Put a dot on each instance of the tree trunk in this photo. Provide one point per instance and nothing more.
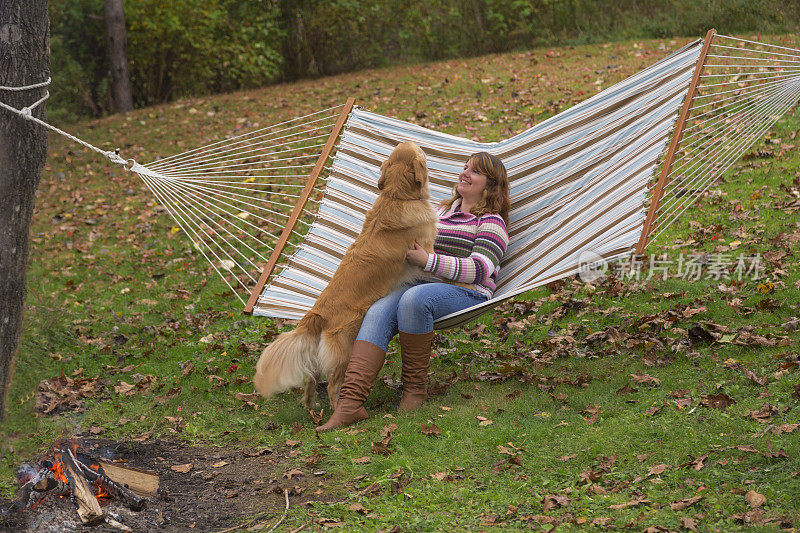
(24, 60)
(118, 57)
(298, 57)
(478, 8)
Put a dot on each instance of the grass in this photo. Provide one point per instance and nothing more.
(539, 429)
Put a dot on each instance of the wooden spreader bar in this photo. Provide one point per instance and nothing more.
(658, 192)
(298, 208)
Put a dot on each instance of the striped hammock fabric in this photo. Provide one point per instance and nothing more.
(579, 182)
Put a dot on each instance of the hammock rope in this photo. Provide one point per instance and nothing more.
(581, 180)
(741, 95)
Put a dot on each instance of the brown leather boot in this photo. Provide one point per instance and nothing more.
(365, 363)
(416, 352)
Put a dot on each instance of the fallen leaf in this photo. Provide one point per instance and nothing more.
(785, 428)
(124, 388)
(655, 409)
(590, 475)
(552, 501)
(752, 376)
(357, 507)
(646, 379)
(719, 401)
(388, 429)
(683, 504)
(627, 389)
(183, 469)
(770, 454)
(632, 503)
(754, 499)
(439, 476)
(592, 412)
(431, 431)
(697, 464)
(688, 523)
(657, 469)
(362, 460)
(294, 472)
(381, 447)
(219, 464)
(483, 421)
(246, 397)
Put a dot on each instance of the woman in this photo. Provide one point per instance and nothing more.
(471, 240)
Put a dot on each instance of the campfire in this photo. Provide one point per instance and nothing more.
(86, 481)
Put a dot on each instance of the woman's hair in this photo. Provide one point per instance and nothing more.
(495, 197)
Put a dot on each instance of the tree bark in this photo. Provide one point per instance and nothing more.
(117, 40)
(24, 60)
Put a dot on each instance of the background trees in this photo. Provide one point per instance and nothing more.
(190, 47)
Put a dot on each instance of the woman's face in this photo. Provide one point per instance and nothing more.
(471, 183)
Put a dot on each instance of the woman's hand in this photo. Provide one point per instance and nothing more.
(417, 256)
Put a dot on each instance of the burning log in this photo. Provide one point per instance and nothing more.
(126, 496)
(48, 482)
(88, 507)
(138, 481)
(141, 482)
(24, 495)
(78, 474)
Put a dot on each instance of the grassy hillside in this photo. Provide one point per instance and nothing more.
(632, 404)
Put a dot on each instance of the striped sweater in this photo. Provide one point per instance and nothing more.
(468, 249)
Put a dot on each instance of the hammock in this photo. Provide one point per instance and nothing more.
(607, 176)
(581, 180)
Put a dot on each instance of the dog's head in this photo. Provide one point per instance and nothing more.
(404, 175)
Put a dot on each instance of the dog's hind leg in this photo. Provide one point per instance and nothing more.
(310, 392)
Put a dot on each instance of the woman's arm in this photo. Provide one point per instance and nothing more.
(491, 241)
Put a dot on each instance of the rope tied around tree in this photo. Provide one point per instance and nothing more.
(27, 113)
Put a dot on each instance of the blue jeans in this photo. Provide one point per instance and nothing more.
(413, 309)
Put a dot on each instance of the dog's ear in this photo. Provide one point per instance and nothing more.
(382, 179)
(417, 173)
(420, 172)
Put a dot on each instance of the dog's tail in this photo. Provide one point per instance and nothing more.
(290, 358)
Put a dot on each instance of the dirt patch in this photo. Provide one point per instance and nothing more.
(202, 488)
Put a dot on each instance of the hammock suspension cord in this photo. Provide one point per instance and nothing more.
(740, 96)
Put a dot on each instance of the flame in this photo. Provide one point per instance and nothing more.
(101, 491)
(58, 469)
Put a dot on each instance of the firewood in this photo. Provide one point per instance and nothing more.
(141, 482)
(88, 507)
(49, 483)
(28, 493)
(23, 496)
(126, 496)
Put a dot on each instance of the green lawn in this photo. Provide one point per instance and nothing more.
(577, 406)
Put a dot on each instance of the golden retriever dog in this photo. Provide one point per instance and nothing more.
(371, 268)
